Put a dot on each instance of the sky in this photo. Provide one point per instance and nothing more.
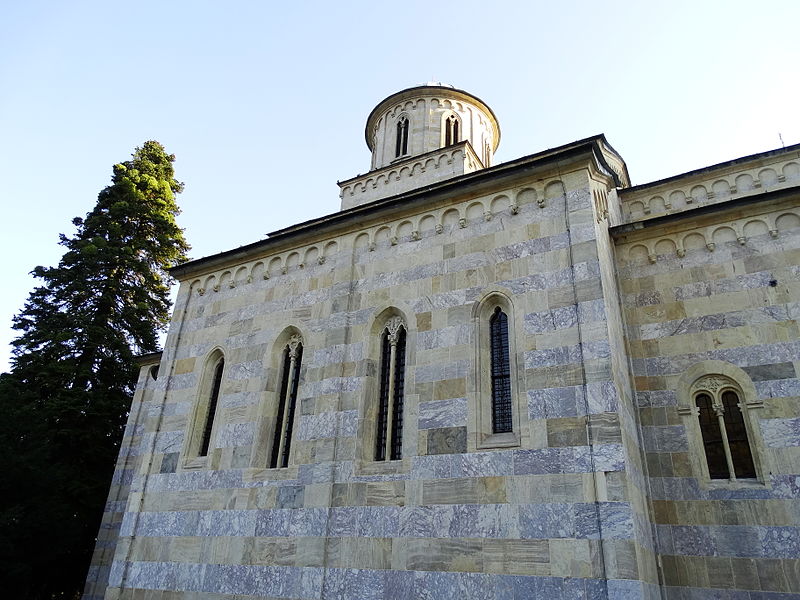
(264, 103)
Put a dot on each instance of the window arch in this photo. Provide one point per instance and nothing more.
(389, 435)
(721, 419)
(291, 361)
(451, 126)
(216, 382)
(718, 403)
(198, 441)
(495, 403)
(401, 142)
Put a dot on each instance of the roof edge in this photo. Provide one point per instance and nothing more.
(539, 159)
(727, 163)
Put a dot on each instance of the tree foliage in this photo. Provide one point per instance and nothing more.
(65, 401)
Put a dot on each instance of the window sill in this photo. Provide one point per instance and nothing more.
(195, 463)
(499, 440)
(734, 484)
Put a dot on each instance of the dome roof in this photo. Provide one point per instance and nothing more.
(426, 89)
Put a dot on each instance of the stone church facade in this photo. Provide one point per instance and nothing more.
(477, 381)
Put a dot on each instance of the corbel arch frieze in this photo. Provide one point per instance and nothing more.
(710, 238)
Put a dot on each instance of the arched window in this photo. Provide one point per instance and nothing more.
(216, 383)
(389, 444)
(401, 145)
(719, 406)
(451, 134)
(502, 421)
(495, 402)
(198, 440)
(721, 418)
(287, 399)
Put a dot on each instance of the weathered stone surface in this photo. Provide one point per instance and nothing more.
(619, 300)
(447, 440)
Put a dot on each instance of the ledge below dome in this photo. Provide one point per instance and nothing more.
(405, 175)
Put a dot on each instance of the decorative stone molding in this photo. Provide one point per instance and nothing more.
(406, 229)
(768, 226)
(410, 173)
(393, 326)
(714, 377)
(294, 345)
(717, 186)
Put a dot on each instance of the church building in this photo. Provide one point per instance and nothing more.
(478, 381)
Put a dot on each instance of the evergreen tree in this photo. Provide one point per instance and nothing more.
(73, 372)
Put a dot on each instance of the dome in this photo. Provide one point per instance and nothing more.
(426, 118)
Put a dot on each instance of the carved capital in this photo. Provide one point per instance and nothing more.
(320, 260)
(487, 216)
(711, 246)
(462, 223)
(514, 209)
(773, 233)
(393, 326)
(541, 202)
(415, 235)
(393, 240)
(284, 269)
(439, 228)
(201, 291)
(294, 345)
(681, 252)
(652, 258)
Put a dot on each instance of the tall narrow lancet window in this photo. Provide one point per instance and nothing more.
(451, 135)
(208, 426)
(401, 146)
(502, 420)
(389, 444)
(290, 380)
(722, 425)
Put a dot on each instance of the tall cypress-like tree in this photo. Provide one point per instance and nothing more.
(73, 372)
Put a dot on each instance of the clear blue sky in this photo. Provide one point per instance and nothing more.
(264, 103)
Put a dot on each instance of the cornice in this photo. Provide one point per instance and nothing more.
(473, 182)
